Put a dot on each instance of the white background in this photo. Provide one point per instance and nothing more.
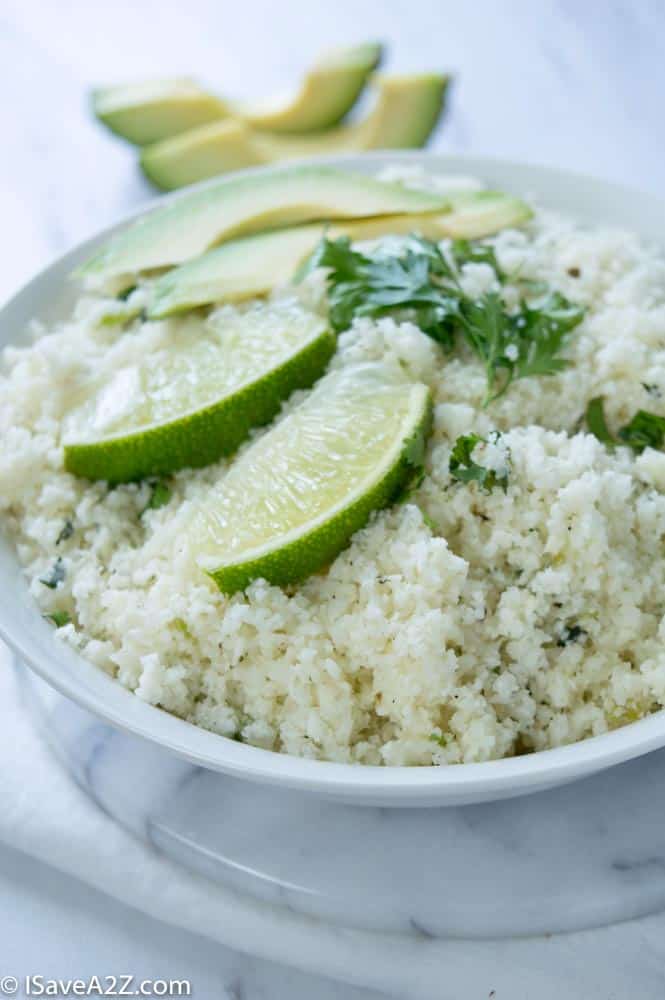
(576, 83)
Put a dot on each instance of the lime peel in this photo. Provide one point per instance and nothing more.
(274, 474)
(195, 437)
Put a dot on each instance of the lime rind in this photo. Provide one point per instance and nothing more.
(297, 552)
(204, 435)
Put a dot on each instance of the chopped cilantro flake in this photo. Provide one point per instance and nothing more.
(59, 618)
(463, 468)
(160, 494)
(645, 430)
(55, 576)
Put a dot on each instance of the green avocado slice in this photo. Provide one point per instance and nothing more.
(405, 112)
(148, 112)
(327, 93)
(198, 220)
(254, 265)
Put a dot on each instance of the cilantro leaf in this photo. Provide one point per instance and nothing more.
(645, 430)
(488, 331)
(595, 421)
(55, 576)
(360, 285)
(467, 252)
(420, 283)
(542, 331)
(521, 344)
(463, 468)
(415, 457)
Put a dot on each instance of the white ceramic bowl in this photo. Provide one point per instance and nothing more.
(50, 295)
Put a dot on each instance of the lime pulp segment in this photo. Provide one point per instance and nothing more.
(195, 394)
(290, 503)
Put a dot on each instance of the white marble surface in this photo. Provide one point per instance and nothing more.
(55, 926)
(54, 821)
(567, 83)
(557, 861)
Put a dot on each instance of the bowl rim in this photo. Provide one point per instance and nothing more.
(86, 684)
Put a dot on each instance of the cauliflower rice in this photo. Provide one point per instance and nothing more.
(458, 626)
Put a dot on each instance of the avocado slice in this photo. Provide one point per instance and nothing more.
(198, 220)
(404, 114)
(254, 265)
(156, 109)
(327, 93)
(482, 213)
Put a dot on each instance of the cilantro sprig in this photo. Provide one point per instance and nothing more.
(644, 430)
(361, 285)
(463, 468)
(423, 284)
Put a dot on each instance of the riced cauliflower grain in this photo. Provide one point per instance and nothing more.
(459, 625)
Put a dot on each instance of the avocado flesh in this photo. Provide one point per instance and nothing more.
(198, 220)
(149, 112)
(405, 112)
(327, 93)
(483, 213)
(254, 265)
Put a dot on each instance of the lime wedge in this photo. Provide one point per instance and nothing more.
(291, 502)
(196, 391)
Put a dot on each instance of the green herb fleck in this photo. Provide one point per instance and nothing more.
(463, 468)
(595, 421)
(469, 252)
(160, 494)
(571, 633)
(412, 484)
(438, 738)
(56, 575)
(126, 292)
(181, 625)
(645, 430)
(59, 618)
(66, 532)
(430, 523)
